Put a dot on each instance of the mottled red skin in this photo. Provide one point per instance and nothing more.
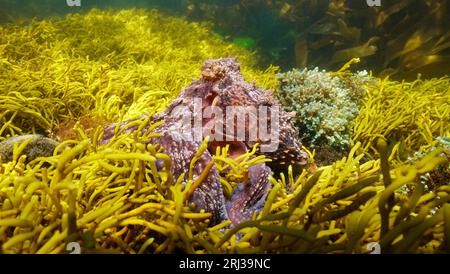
(222, 84)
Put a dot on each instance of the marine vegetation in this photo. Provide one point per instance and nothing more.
(102, 65)
(111, 199)
(325, 104)
(113, 191)
(400, 38)
(414, 113)
(336, 109)
(438, 177)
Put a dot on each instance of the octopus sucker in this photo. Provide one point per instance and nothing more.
(220, 88)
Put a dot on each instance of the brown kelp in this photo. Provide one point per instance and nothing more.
(399, 38)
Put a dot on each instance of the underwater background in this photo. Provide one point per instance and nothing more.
(369, 87)
(400, 38)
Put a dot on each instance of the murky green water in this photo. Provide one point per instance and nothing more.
(398, 38)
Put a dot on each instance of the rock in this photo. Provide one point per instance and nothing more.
(39, 146)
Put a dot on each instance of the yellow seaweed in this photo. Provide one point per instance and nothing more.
(113, 198)
(414, 113)
(55, 71)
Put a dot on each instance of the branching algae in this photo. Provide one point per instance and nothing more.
(115, 197)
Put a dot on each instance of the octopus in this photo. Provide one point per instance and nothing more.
(202, 109)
